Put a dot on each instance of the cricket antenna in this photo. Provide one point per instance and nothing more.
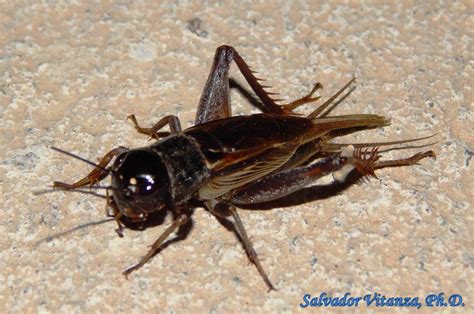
(81, 159)
(89, 192)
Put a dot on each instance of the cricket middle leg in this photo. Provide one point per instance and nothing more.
(224, 210)
(172, 121)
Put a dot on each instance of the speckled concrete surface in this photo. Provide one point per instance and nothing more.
(71, 73)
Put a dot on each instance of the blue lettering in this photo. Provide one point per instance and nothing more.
(319, 301)
(357, 300)
(343, 300)
(455, 300)
(378, 300)
(306, 297)
(369, 300)
(315, 302)
(440, 301)
(326, 300)
(416, 302)
(430, 299)
(435, 300)
(390, 302)
(407, 301)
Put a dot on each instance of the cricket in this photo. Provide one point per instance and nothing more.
(228, 163)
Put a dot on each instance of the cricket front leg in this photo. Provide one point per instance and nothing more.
(116, 213)
(158, 245)
(99, 173)
(224, 210)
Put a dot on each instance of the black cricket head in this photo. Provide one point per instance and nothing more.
(140, 183)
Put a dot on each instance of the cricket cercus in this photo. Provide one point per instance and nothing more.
(226, 162)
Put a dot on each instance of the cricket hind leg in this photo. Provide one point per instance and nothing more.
(215, 99)
(247, 94)
(291, 183)
(286, 182)
(287, 108)
(269, 104)
(224, 210)
(308, 194)
(369, 161)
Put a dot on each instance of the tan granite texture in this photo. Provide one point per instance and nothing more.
(71, 72)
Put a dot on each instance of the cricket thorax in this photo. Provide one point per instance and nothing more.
(185, 164)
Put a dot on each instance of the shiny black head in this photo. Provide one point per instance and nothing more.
(140, 183)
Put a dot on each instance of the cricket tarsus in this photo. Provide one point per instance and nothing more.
(413, 160)
(224, 162)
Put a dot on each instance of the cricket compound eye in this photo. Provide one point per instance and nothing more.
(141, 185)
(140, 182)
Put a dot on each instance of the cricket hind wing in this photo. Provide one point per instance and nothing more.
(326, 128)
(331, 147)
